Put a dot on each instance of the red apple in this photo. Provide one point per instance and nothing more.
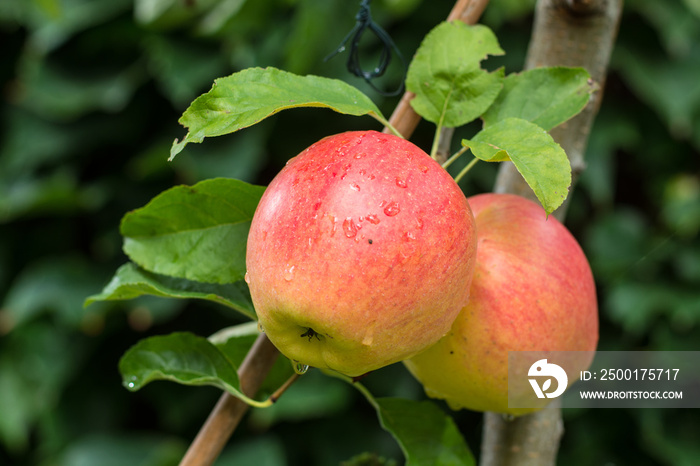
(360, 253)
(532, 291)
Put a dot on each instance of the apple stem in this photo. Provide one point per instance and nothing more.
(465, 170)
(361, 388)
(229, 410)
(455, 156)
(280, 391)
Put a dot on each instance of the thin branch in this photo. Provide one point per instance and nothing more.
(404, 118)
(229, 410)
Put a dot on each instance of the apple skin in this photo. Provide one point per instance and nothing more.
(368, 242)
(532, 290)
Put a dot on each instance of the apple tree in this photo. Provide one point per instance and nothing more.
(192, 242)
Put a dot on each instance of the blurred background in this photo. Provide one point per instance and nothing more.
(91, 91)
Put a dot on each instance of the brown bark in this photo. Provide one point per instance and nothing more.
(569, 33)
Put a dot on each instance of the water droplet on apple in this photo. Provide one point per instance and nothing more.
(359, 155)
(247, 278)
(354, 186)
(392, 209)
(300, 368)
(350, 228)
(373, 219)
(289, 273)
(401, 183)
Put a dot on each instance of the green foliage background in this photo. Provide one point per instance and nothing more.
(91, 92)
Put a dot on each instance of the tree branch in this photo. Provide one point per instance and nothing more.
(569, 33)
(229, 410)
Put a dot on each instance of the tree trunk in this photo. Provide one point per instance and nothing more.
(567, 33)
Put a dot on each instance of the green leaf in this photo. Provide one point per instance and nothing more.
(540, 160)
(544, 96)
(131, 282)
(249, 96)
(183, 358)
(446, 76)
(425, 433)
(198, 233)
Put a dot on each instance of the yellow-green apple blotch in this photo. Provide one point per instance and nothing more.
(360, 253)
(532, 291)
